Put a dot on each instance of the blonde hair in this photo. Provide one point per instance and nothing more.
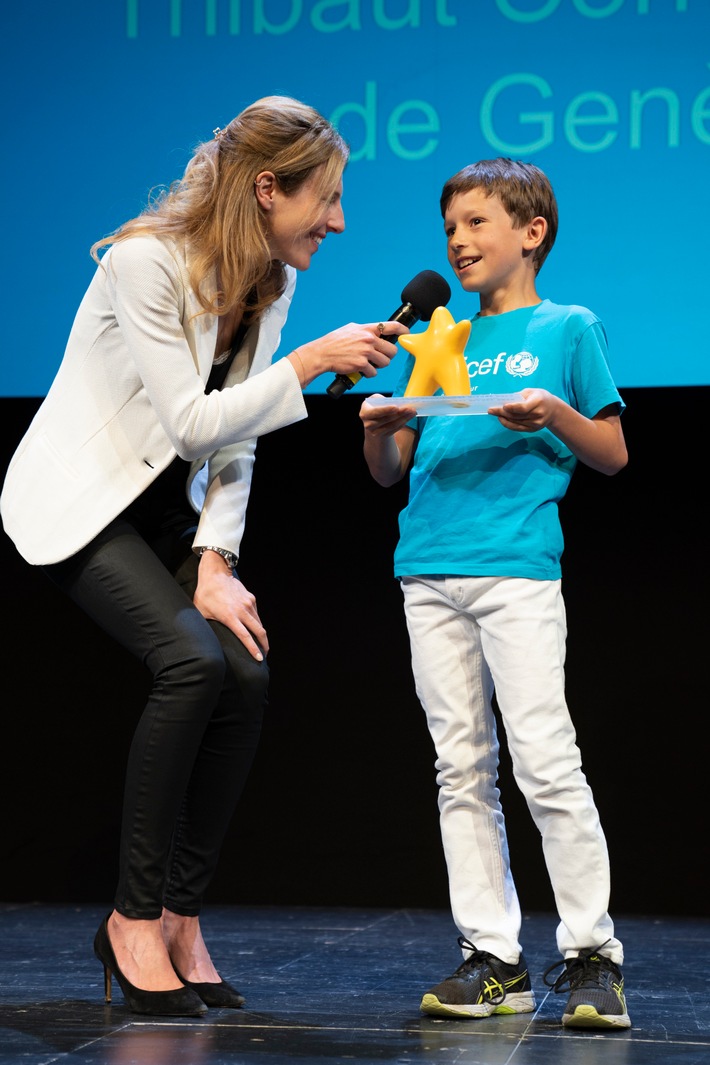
(214, 209)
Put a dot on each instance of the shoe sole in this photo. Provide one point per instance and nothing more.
(587, 1017)
(523, 1002)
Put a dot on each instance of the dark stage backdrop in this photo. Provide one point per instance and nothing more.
(341, 805)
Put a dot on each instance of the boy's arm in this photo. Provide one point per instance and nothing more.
(597, 442)
(389, 441)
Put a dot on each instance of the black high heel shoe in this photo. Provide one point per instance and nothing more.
(219, 996)
(182, 1002)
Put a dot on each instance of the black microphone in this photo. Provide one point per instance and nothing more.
(420, 298)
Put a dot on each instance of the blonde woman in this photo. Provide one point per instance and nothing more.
(130, 488)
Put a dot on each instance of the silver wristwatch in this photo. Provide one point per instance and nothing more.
(229, 557)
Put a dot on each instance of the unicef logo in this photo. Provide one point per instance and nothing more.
(522, 364)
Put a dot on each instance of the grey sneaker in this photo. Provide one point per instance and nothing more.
(596, 988)
(482, 985)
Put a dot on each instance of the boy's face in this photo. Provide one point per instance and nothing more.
(486, 253)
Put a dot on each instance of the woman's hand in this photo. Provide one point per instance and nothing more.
(219, 596)
(351, 349)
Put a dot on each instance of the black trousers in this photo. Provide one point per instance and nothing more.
(196, 738)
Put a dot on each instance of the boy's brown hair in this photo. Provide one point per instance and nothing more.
(523, 189)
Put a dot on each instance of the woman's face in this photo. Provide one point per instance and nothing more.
(297, 224)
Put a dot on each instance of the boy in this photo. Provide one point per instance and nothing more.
(479, 564)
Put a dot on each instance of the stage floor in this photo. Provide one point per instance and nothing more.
(339, 986)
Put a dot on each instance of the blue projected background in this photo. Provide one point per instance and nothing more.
(611, 98)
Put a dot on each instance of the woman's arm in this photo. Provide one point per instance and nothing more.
(149, 297)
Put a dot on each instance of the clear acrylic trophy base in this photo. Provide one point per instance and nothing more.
(427, 406)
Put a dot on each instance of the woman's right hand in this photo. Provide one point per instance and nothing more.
(351, 349)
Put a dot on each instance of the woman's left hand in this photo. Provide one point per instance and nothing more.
(222, 597)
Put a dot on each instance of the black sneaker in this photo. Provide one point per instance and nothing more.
(482, 985)
(596, 989)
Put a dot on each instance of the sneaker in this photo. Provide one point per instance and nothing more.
(596, 989)
(482, 985)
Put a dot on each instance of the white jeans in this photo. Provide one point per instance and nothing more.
(468, 636)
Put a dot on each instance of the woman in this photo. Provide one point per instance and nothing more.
(130, 488)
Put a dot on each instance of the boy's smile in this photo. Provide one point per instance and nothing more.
(489, 255)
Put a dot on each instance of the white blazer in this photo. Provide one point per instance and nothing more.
(129, 396)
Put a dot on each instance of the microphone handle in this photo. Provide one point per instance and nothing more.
(407, 315)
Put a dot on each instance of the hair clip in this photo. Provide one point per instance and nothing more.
(218, 133)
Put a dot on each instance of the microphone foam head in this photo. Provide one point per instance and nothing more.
(427, 291)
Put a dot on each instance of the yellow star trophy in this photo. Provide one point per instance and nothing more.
(438, 357)
(440, 367)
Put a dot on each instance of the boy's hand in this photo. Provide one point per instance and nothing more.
(535, 412)
(598, 442)
(389, 442)
(385, 421)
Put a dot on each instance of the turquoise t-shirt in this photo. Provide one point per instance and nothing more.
(482, 498)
